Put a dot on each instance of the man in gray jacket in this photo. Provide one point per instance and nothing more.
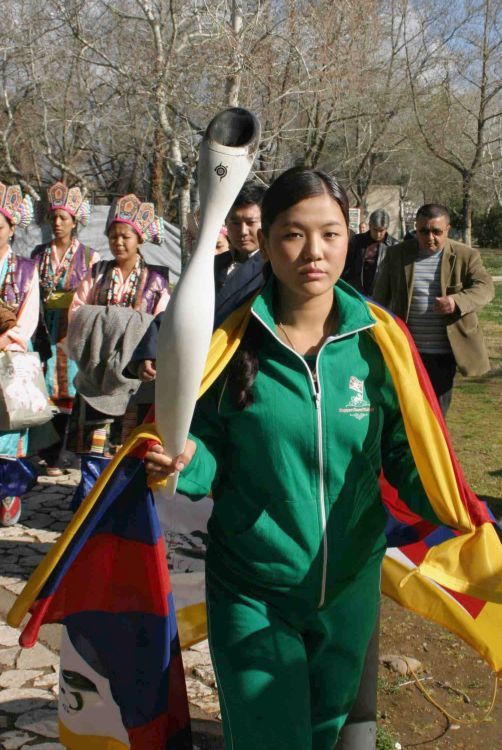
(367, 251)
(437, 286)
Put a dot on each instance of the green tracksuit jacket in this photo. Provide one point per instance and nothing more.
(296, 536)
(295, 476)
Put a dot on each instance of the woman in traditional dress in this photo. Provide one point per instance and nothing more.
(126, 281)
(19, 311)
(62, 264)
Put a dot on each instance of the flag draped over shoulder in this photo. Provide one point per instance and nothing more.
(451, 574)
(470, 560)
(460, 564)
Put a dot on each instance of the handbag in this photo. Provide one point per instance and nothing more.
(41, 339)
(24, 401)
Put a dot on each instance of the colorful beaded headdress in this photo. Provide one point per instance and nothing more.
(15, 208)
(140, 216)
(69, 200)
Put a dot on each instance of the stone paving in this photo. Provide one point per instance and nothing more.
(29, 677)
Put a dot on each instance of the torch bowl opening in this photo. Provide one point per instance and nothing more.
(235, 127)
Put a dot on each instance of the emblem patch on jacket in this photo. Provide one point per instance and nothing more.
(357, 406)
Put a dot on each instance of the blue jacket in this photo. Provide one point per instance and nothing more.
(231, 291)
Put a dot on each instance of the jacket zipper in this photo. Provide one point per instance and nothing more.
(317, 400)
(320, 462)
(316, 391)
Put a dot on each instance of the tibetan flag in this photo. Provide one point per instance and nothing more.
(476, 621)
(448, 560)
(106, 581)
(469, 561)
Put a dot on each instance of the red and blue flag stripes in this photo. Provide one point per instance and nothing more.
(111, 590)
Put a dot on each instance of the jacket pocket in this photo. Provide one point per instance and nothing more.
(280, 546)
(454, 289)
(468, 324)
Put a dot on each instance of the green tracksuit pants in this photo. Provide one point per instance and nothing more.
(287, 675)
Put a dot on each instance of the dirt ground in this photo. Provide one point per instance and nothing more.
(458, 679)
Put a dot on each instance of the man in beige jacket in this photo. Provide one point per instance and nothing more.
(436, 286)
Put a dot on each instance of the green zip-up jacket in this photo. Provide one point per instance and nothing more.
(294, 476)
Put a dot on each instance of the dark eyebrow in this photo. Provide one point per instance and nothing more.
(334, 222)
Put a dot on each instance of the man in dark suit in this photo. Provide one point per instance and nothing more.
(237, 274)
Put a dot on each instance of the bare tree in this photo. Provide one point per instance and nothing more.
(114, 96)
(456, 87)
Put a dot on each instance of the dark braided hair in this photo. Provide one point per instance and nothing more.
(291, 187)
(243, 366)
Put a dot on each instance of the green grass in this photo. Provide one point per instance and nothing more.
(492, 260)
(474, 684)
(492, 313)
(473, 420)
(389, 687)
(476, 431)
(384, 739)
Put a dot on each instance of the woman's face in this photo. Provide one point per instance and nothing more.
(62, 224)
(6, 233)
(307, 246)
(124, 242)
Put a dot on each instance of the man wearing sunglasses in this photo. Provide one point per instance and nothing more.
(437, 285)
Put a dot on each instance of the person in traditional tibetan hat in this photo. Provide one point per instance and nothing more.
(62, 264)
(129, 282)
(140, 216)
(19, 311)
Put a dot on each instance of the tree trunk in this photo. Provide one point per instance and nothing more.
(158, 171)
(184, 210)
(233, 83)
(467, 208)
(402, 220)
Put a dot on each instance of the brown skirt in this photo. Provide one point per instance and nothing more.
(92, 431)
